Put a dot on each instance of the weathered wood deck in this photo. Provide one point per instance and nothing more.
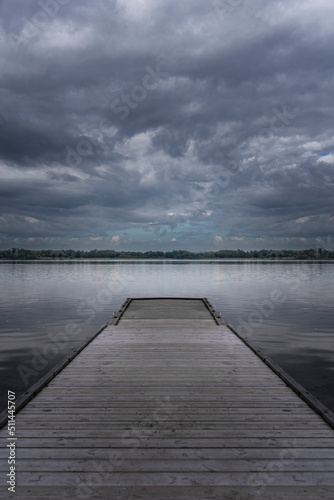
(166, 403)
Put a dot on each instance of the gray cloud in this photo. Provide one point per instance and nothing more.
(166, 124)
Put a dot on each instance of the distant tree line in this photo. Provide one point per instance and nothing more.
(23, 254)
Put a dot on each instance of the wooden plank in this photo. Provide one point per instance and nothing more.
(200, 410)
(175, 465)
(183, 409)
(282, 442)
(189, 432)
(166, 312)
(301, 479)
(173, 453)
(220, 415)
(242, 492)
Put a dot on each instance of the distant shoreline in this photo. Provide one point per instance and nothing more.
(21, 254)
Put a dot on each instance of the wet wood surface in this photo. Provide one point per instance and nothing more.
(168, 404)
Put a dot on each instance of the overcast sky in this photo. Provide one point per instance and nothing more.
(167, 124)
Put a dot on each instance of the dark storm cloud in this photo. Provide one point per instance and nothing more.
(166, 124)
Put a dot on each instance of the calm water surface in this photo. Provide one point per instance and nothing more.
(285, 308)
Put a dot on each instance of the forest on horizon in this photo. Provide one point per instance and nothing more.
(24, 254)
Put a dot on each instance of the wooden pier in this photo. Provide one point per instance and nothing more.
(168, 402)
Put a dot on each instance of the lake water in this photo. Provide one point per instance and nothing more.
(285, 308)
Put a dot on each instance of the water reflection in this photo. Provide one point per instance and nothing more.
(286, 308)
